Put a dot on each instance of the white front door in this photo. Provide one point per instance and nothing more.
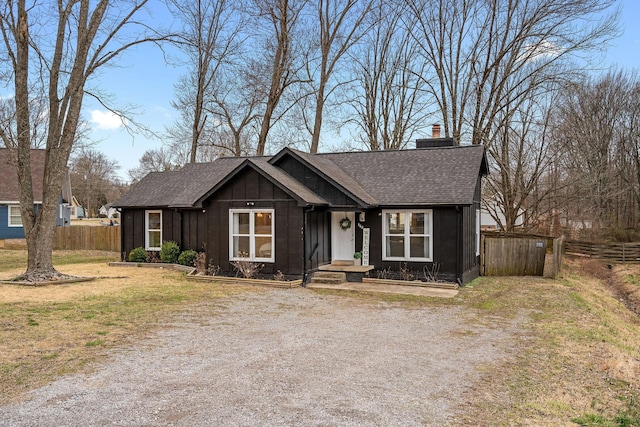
(343, 242)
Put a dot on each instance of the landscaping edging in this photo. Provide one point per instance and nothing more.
(47, 283)
(191, 275)
(186, 269)
(243, 281)
(439, 285)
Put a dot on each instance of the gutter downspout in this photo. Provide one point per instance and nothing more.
(304, 248)
(458, 247)
(123, 256)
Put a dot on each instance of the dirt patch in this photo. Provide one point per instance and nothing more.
(628, 292)
(614, 277)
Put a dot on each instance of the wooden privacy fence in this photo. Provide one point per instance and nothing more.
(104, 238)
(508, 255)
(615, 252)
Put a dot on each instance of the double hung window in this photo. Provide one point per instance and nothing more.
(407, 235)
(252, 234)
(153, 230)
(15, 220)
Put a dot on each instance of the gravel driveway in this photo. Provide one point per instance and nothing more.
(283, 357)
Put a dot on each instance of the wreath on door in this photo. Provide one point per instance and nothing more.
(345, 223)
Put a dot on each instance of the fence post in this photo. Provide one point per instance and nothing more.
(558, 244)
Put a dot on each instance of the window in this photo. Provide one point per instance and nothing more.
(407, 235)
(251, 236)
(153, 233)
(15, 220)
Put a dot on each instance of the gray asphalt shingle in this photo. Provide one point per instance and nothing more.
(429, 176)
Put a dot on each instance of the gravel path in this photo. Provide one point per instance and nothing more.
(282, 357)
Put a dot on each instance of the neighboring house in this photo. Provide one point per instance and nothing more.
(489, 223)
(76, 210)
(108, 211)
(10, 219)
(296, 212)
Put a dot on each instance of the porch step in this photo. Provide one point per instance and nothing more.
(329, 277)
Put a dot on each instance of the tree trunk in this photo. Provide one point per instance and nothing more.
(317, 124)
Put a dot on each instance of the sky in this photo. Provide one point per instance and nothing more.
(144, 80)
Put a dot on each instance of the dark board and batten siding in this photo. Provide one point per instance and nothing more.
(133, 222)
(253, 188)
(318, 239)
(315, 182)
(445, 235)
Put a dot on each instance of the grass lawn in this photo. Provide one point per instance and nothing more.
(49, 331)
(578, 356)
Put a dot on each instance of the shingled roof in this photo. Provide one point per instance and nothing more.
(189, 186)
(181, 188)
(428, 176)
(9, 187)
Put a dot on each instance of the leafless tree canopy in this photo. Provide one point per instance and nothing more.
(597, 129)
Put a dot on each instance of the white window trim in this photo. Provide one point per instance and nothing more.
(9, 207)
(252, 235)
(146, 230)
(407, 234)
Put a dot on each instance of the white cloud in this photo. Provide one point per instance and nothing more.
(542, 49)
(106, 119)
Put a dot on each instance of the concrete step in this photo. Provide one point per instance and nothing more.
(326, 281)
(329, 277)
(331, 274)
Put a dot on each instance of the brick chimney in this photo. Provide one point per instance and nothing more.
(435, 131)
(436, 140)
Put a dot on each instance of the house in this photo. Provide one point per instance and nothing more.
(76, 209)
(10, 219)
(297, 212)
(108, 211)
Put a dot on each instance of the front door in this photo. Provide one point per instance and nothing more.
(343, 240)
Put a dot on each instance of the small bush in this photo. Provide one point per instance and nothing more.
(169, 252)
(138, 255)
(188, 258)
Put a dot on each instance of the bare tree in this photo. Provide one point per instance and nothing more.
(67, 41)
(92, 177)
(153, 161)
(282, 18)
(487, 55)
(340, 26)
(523, 156)
(235, 103)
(209, 37)
(597, 127)
(389, 99)
(492, 61)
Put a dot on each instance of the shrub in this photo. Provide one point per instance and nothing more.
(188, 257)
(169, 252)
(138, 255)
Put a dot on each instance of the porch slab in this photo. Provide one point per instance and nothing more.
(393, 289)
(346, 268)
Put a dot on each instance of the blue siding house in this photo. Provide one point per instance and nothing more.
(10, 219)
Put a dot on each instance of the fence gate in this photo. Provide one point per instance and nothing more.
(513, 256)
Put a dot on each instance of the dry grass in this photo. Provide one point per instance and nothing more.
(581, 361)
(54, 330)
